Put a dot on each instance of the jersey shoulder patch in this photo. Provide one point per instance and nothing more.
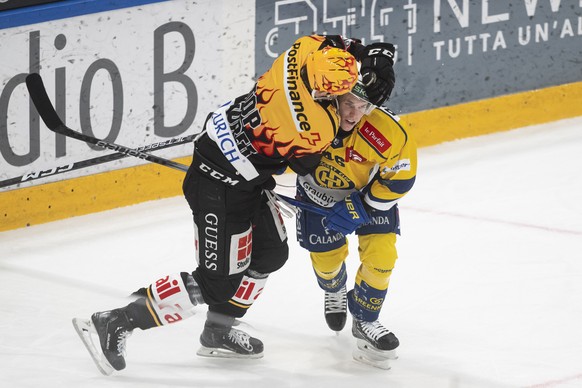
(375, 137)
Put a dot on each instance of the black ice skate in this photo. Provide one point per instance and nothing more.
(336, 309)
(220, 339)
(104, 337)
(375, 344)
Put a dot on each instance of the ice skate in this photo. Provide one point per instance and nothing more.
(220, 339)
(336, 309)
(376, 345)
(104, 336)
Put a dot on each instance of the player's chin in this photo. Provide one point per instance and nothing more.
(347, 125)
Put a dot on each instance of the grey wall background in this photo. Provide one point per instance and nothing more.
(449, 51)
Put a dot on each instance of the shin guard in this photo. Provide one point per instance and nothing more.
(365, 302)
(172, 298)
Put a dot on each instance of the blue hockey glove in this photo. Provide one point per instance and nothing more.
(347, 215)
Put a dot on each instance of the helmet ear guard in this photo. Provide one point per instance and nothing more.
(332, 70)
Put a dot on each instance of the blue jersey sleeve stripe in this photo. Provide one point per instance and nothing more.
(398, 186)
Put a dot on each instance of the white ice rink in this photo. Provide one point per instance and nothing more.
(487, 291)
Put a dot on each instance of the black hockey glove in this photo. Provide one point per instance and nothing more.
(377, 72)
(356, 48)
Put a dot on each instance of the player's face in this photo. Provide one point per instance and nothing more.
(351, 110)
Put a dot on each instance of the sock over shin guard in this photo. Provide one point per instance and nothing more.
(365, 302)
(168, 300)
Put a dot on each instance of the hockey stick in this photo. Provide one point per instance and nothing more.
(305, 205)
(53, 122)
(92, 162)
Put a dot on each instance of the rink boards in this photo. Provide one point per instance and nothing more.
(142, 74)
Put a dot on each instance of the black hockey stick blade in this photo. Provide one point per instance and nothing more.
(42, 102)
(47, 111)
(50, 117)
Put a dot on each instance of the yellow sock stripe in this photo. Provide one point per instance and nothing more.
(242, 306)
(151, 308)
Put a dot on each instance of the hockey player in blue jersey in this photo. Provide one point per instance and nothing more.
(370, 165)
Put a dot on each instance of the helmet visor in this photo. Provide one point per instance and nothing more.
(360, 92)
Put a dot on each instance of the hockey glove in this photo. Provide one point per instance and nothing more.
(377, 72)
(345, 216)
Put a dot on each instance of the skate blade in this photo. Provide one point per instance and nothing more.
(87, 333)
(366, 358)
(376, 353)
(367, 354)
(223, 353)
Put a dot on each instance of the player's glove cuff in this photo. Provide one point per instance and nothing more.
(347, 215)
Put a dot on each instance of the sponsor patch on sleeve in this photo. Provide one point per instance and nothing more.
(401, 165)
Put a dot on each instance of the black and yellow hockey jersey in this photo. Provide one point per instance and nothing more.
(279, 123)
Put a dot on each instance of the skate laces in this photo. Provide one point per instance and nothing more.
(121, 339)
(241, 338)
(335, 302)
(374, 330)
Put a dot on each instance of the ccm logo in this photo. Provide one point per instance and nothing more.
(216, 175)
(384, 52)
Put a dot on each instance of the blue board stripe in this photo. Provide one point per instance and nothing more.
(62, 10)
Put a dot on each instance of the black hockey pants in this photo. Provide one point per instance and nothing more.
(236, 233)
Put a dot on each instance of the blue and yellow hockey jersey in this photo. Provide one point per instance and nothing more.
(377, 157)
